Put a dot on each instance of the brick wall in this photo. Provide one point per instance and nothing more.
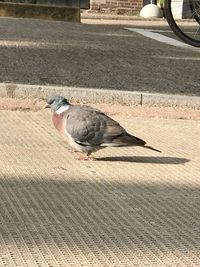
(118, 6)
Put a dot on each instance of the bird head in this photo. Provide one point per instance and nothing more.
(56, 102)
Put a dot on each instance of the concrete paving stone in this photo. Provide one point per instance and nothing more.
(131, 207)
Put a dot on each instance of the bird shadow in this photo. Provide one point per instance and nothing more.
(142, 159)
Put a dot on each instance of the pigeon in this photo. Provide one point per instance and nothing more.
(87, 129)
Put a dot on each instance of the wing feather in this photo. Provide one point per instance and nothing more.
(88, 126)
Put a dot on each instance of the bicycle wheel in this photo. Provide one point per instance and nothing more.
(183, 17)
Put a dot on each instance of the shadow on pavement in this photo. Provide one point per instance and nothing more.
(154, 219)
(156, 160)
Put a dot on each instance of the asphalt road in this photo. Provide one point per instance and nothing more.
(92, 55)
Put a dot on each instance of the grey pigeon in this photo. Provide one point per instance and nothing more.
(87, 129)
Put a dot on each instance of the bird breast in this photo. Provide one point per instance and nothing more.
(58, 121)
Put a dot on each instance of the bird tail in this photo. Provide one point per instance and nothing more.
(149, 147)
(130, 140)
(127, 139)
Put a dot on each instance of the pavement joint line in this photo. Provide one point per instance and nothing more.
(177, 58)
(93, 95)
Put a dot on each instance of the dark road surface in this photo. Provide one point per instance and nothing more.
(94, 56)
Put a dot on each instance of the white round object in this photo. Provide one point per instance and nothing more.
(151, 11)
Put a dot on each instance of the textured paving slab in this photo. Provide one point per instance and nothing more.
(132, 207)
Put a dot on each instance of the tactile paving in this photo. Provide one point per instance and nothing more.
(131, 207)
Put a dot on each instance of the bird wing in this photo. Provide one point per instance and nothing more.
(91, 127)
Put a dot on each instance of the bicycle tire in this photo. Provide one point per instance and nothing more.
(176, 29)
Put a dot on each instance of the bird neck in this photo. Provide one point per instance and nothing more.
(62, 109)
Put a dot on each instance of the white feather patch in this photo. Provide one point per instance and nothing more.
(62, 109)
(110, 144)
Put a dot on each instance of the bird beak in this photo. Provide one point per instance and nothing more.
(46, 106)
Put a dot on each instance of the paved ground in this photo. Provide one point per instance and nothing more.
(92, 55)
(131, 207)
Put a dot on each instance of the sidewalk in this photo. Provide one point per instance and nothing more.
(113, 19)
(131, 207)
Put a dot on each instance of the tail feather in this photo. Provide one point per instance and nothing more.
(130, 140)
(149, 147)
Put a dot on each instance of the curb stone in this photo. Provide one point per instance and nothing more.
(91, 95)
(93, 15)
